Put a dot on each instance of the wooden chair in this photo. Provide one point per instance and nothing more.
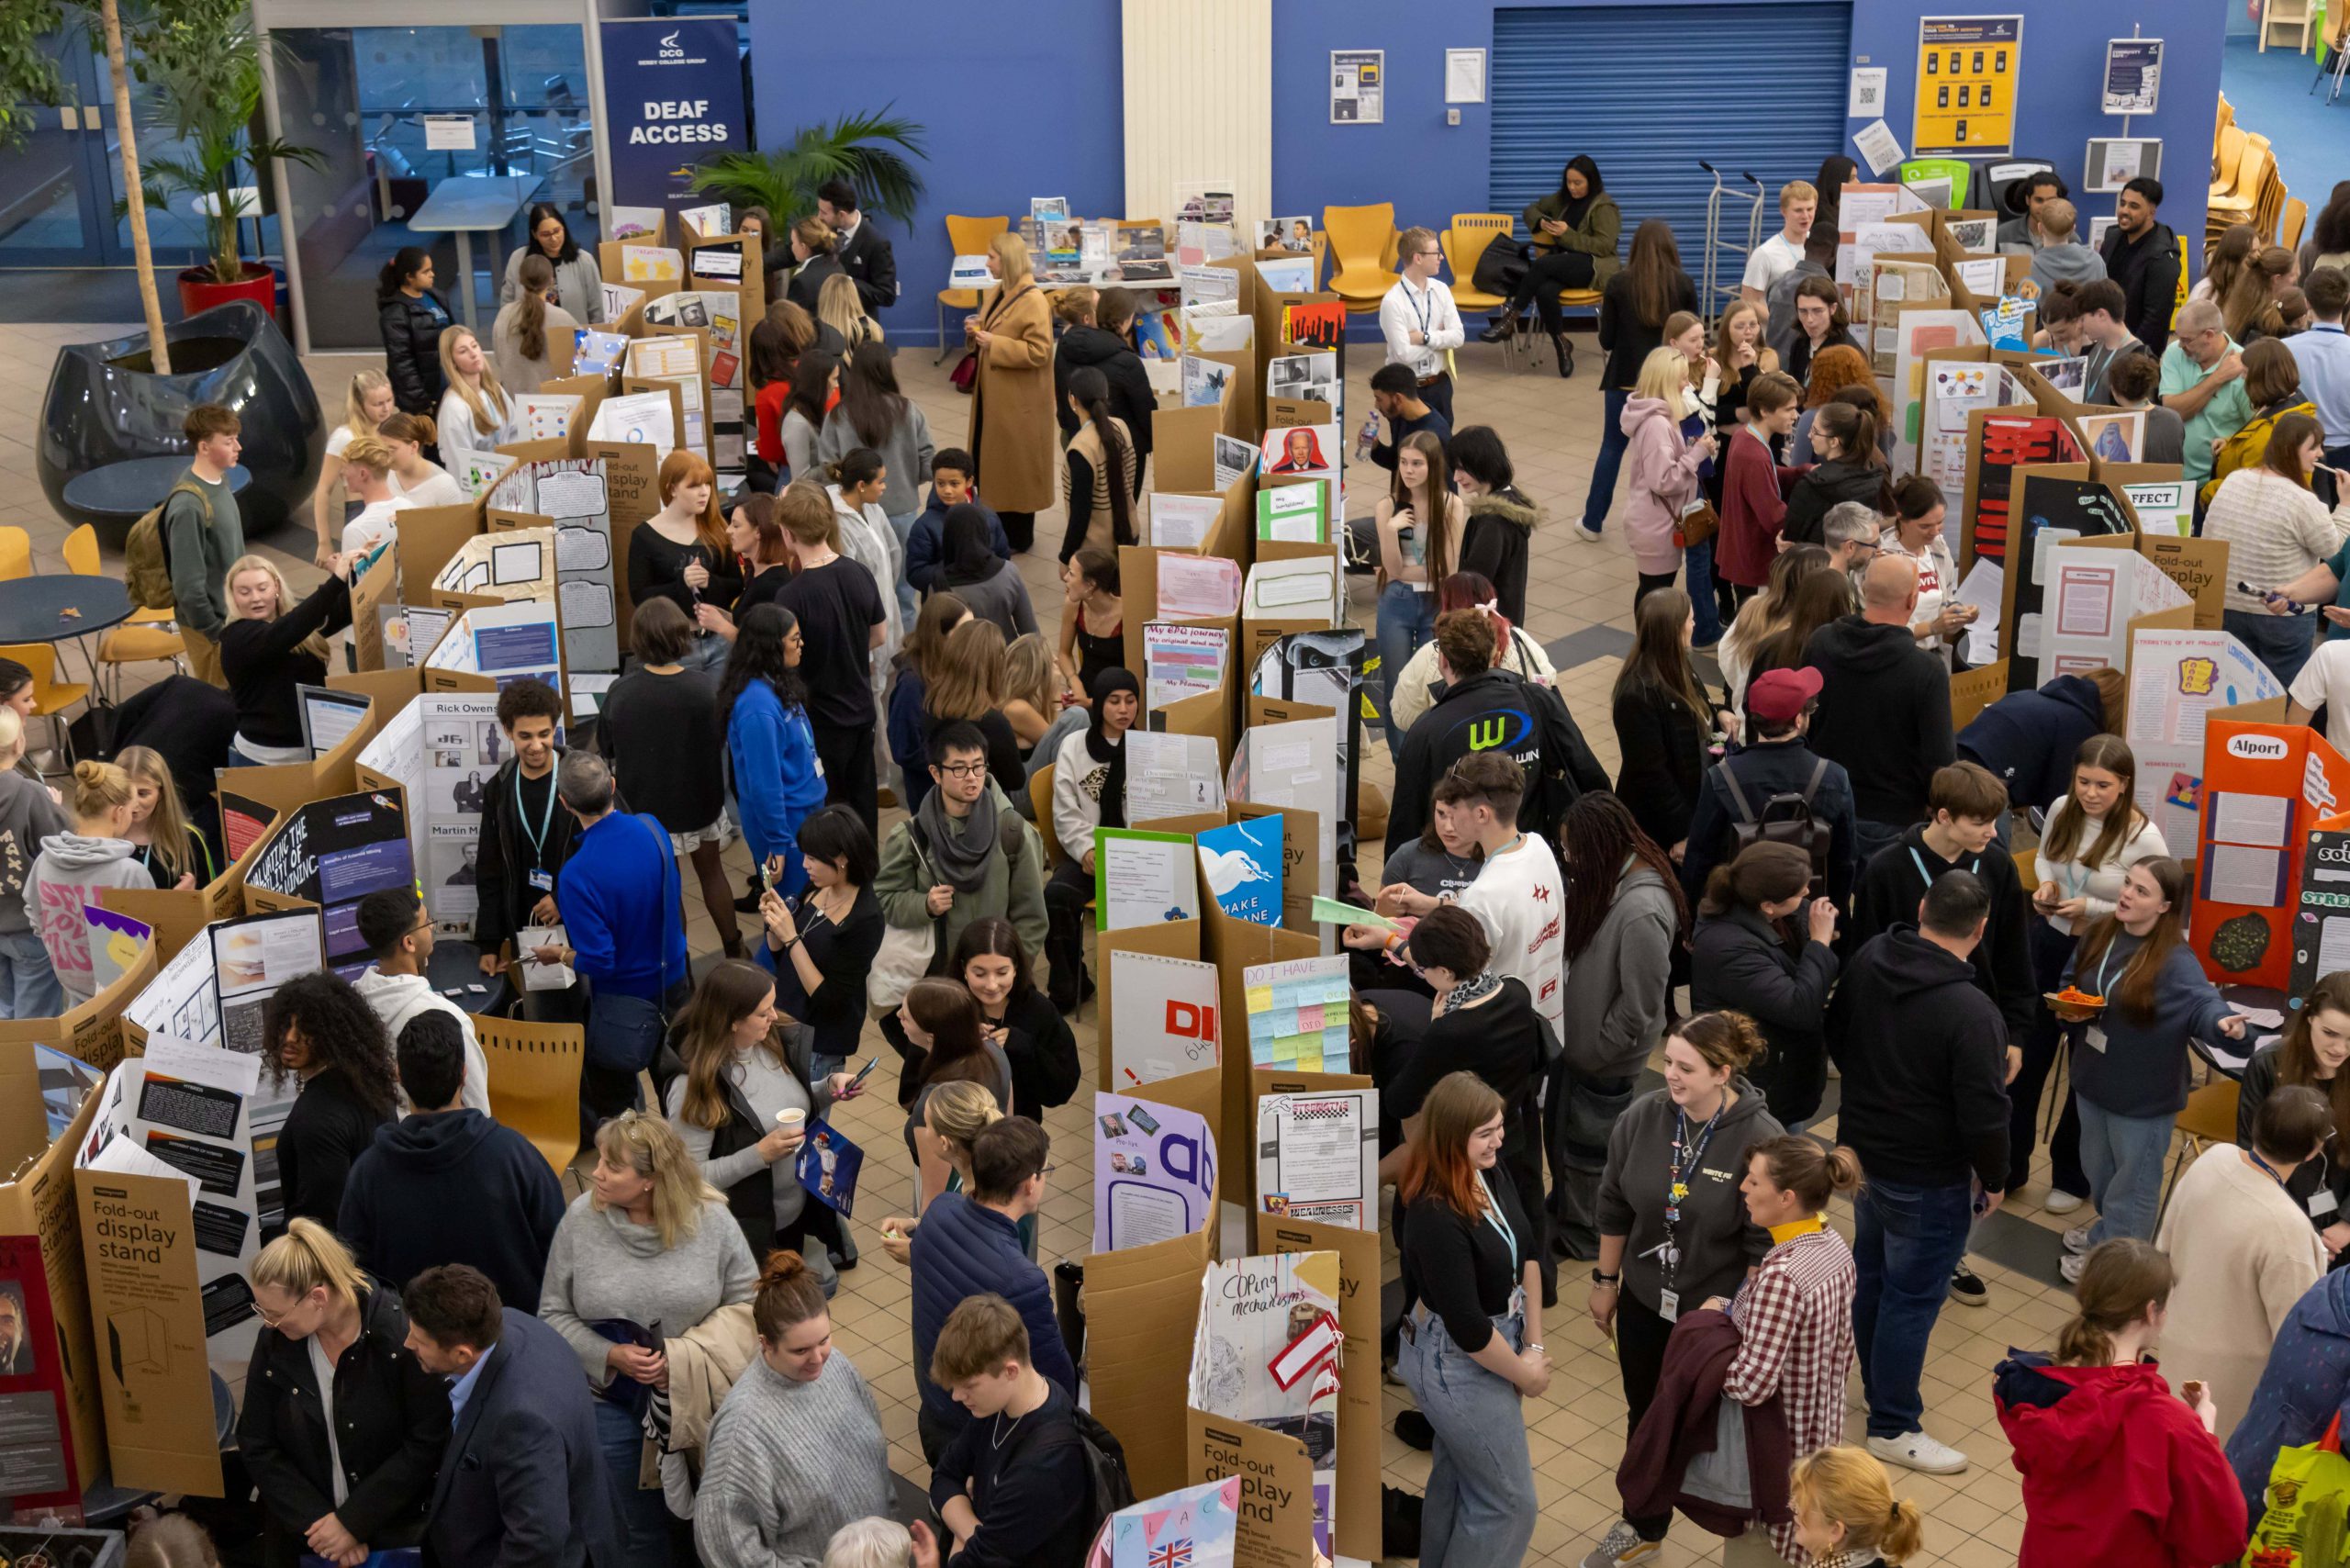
(51, 698)
(15, 555)
(2209, 1118)
(2239, 205)
(534, 1081)
(964, 237)
(1464, 242)
(147, 637)
(1362, 249)
(2297, 218)
(1040, 801)
(2227, 158)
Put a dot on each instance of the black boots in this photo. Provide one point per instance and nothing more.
(1501, 328)
(1065, 953)
(1566, 354)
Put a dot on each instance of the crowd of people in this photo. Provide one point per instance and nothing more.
(454, 1355)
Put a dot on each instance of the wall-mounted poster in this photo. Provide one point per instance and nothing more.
(1967, 70)
(2133, 76)
(1357, 86)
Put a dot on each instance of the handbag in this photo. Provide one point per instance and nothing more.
(2307, 1496)
(1698, 523)
(965, 374)
(906, 953)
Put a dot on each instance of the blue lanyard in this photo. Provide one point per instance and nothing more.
(1502, 1228)
(1421, 305)
(546, 820)
(1926, 877)
(2105, 967)
(1676, 1189)
(2264, 1165)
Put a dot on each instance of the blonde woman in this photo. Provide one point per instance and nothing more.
(1014, 422)
(74, 867)
(952, 1117)
(474, 414)
(29, 814)
(839, 307)
(1033, 685)
(1663, 461)
(270, 647)
(814, 256)
(532, 339)
(175, 853)
(414, 475)
(367, 405)
(650, 1244)
(367, 465)
(342, 1476)
(1846, 1513)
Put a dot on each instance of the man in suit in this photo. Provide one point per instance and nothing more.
(864, 252)
(522, 1485)
(16, 1347)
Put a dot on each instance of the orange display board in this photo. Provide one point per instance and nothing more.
(2266, 786)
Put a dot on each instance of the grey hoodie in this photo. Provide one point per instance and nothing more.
(1716, 1240)
(71, 870)
(1617, 986)
(2068, 263)
(27, 816)
(396, 999)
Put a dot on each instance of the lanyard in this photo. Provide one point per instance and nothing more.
(1422, 304)
(1502, 1228)
(2271, 1170)
(1678, 1188)
(1927, 876)
(546, 819)
(2105, 968)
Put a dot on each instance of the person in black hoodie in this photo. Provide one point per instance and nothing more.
(2141, 255)
(1502, 520)
(2029, 739)
(411, 318)
(1777, 760)
(1015, 1484)
(1851, 468)
(446, 1185)
(1884, 705)
(1102, 341)
(1482, 708)
(526, 835)
(1761, 947)
(1925, 1106)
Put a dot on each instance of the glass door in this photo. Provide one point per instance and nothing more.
(60, 192)
(400, 113)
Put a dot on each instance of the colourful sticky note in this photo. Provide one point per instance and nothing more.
(1286, 1046)
(1309, 1058)
(1309, 1019)
(1261, 999)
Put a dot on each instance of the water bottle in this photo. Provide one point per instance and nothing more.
(1365, 439)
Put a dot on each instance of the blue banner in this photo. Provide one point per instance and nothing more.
(674, 90)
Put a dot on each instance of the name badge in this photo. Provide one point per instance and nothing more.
(543, 880)
(1668, 1306)
(2096, 1039)
(2323, 1204)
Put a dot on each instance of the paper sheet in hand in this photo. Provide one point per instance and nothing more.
(1318, 1157)
(1981, 588)
(1198, 587)
(1154, 1169)
(1143, 879)
(1331, 912)
(1171, 776)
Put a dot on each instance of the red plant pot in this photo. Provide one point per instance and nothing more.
(198, 292)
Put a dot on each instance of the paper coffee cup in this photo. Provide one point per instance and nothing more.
(789, 1118)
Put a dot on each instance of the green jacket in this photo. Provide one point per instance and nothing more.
(1016, 892)
(200, 544)
(1597, 236)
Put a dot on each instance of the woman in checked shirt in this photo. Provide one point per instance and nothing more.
(1795, 1312)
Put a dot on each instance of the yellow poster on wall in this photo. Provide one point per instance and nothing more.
(1967, 68)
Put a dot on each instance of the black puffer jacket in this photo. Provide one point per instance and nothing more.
(412, 350)
(1828, 485)
(1131, 398)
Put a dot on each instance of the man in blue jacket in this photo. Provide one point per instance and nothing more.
(522, 1483)
(1777, 760)
(618, 902)
(950, 486)
(968, 1245)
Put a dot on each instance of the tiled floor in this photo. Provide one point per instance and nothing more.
(1975, 1518)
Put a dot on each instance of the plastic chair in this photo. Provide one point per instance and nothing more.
(964, 237)
(534, 1081)
(1464, 244)
(15, 555)
(1040, 801)
(148, 637)
(2209, 1118)
(51, 698)
(2251, 174)
(1362, 244)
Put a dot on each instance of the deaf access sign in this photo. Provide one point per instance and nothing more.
(674, 88)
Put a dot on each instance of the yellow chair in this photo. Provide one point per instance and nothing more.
(2227, 159)
(2209, 1118)
(1040, 801)
(1362, 250)
(51, 698)
(15, 555)
(2239, 205)
(1464, 242)
(964, 237)
(534, 1081)
(2297, 218)
(148, 637)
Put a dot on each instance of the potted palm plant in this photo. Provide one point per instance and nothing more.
(206, 65)
(873, 151)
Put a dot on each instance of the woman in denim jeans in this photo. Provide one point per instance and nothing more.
(1419, 524)
(1473, 1348)
(2130, 1051)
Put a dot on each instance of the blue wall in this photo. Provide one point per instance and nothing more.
(1017, 103)
(1029, 103)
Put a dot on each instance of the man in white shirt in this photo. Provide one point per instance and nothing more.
(2325, 682)
(1519, 897)
(1419, 320)
(1798, 204)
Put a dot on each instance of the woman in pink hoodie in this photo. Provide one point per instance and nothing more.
(1662, 465)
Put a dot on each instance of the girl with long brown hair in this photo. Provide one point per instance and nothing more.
(1664, 719)
(1764, 948)
(914, 668)
(1820, 599)
(2092, 835)
(531, 342)
(966, 680)
(1633, 311)
(1418, 523)
(681, 553)
(950, 1043)
(2313, 1052)
(2279, 533)
(875, 415)
(1765, 616)
(1472, 1346)
(2129, 1049)
(2249, 308)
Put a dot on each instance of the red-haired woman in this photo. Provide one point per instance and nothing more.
(681, 553)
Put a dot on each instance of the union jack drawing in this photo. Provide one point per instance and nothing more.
(1172, 1554)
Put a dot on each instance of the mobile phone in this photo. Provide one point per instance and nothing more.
(870, 1062)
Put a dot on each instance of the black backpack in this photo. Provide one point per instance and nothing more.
(1105, 1462)
(1785, 818)
(1567, 770)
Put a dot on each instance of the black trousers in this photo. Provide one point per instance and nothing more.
(1641, 1337)
(1019, 527)
(1066, 891)
(1545, 277)
(850, 779)
(2042, 1044)
(1650, 583)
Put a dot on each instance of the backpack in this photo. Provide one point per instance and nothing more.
(1786, 818)
(146, 570)
(1105, 1463)
(1567, 772)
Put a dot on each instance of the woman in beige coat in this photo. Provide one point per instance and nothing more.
(2243, 1251)
(1013, 421)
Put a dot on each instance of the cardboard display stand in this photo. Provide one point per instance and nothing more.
(59, 1449)
(91, 1031)
(1276, 1524)
(2266, 786)
(1357, 1527)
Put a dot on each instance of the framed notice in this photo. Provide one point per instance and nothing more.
(1967, 71)
(2113, 162)
(2134, 74)
(1357, 86)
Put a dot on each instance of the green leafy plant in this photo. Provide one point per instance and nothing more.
(875, 153)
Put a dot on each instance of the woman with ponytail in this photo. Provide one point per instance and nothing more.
(415, 476)
(797, 1451)
(1793, 1314)
(1849, 468)
(342, 1428)
(2116, 1468)
(531, 341)
(1100, 475)
(72, 868)
(1846, 1515)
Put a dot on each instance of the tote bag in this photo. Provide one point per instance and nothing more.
(906, 953)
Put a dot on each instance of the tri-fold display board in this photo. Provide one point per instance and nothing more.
(2266, 786)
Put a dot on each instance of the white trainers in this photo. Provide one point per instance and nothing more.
(1584, 535)
(2071, 1266)
(1916, 1450)
(2060, 1201)
(2078, 1239)
(1623, 1547)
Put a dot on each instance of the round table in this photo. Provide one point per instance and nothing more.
(121, 493)
(32, 609)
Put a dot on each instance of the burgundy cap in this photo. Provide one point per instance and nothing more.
(1777, 694)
